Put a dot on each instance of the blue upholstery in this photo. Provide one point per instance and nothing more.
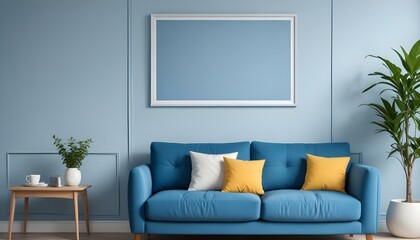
(171, 163)
(285, 164)
(139, 190)
(364, 184)
(253, 228)
(173, 210)
(309, 206)
(203, 206)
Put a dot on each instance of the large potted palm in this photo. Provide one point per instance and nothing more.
(399, 117)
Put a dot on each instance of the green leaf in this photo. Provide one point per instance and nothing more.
(75, 152)
(403, 61)
(415, 50)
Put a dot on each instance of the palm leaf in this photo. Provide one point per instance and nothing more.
(403, 61)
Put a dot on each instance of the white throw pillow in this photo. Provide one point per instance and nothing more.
(208, 171)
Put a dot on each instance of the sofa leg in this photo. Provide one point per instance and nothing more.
(137, 236)
(369, 236)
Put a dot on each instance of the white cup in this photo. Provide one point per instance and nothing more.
(33, 179)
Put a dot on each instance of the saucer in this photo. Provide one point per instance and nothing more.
(41, 184)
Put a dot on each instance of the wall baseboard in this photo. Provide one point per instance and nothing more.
(67, 226)
(382, 226)
(95, 226)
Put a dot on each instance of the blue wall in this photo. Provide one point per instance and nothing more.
(362, 28)
(81, 68)
(63, 70)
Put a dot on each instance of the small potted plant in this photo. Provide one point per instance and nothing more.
(399, 116)
(72, 156)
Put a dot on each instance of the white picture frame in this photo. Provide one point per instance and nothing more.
(173, 34)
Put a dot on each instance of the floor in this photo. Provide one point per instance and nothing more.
(125, 236)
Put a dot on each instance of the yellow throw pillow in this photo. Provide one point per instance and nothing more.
(325, 173)
(243, 176)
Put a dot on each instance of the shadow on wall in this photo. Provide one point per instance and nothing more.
(354, 128)
(139, 159)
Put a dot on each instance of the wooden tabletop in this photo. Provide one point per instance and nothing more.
(56, 189)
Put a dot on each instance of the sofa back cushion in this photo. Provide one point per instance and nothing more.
(285, 164)
(171, 162)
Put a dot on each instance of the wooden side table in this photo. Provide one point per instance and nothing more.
(49, 192)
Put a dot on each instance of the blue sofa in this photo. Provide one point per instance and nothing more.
(159, 202)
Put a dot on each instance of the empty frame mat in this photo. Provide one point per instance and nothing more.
(222, 60)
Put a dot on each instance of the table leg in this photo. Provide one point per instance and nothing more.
(86, 208)
(25, 214)
(76, 213)
(12, 213)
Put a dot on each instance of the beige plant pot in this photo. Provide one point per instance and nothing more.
(402, 219)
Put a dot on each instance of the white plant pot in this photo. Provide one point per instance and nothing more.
(72, 177)
(402, 219)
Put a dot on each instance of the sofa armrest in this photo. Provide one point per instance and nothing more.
(139, 190)
(364, 184)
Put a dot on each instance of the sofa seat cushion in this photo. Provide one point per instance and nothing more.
(309, 206)
(205, 206)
